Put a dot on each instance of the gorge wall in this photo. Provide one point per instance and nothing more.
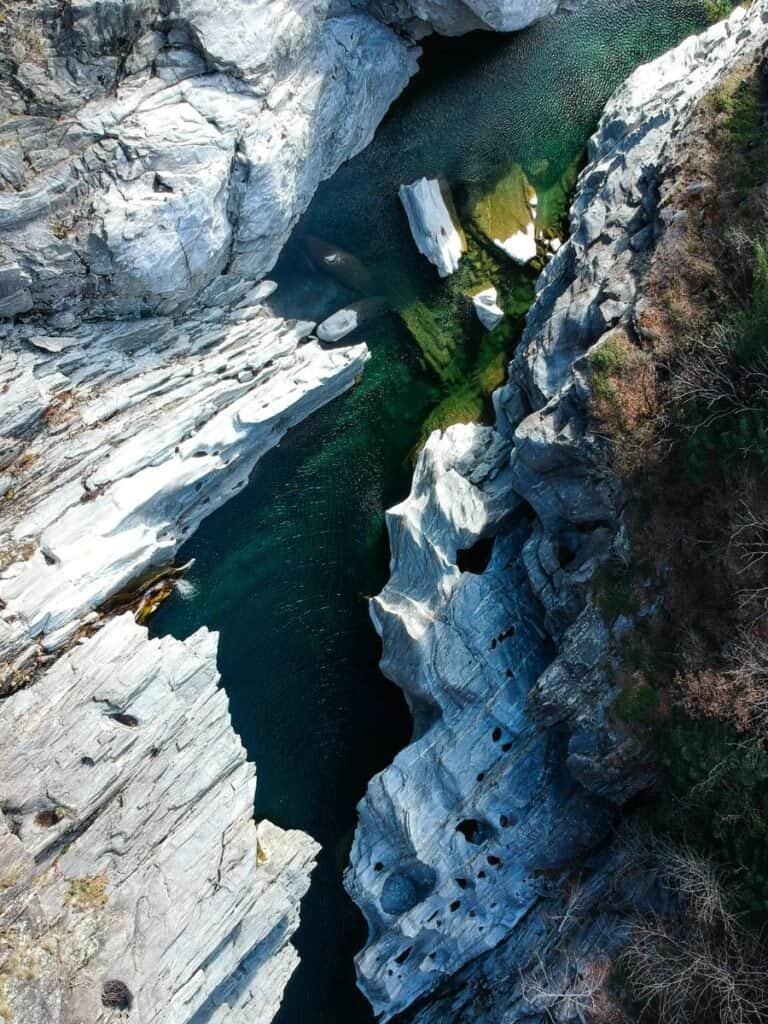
(154, 156)
(483, 861)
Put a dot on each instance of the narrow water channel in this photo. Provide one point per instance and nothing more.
(283, 570)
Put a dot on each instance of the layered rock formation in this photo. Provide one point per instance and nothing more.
(454, 17)
(482, 860)
(132, 874)
(194, 150)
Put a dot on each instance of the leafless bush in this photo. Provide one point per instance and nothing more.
(700, 965)
(706, 373)
(575, 993)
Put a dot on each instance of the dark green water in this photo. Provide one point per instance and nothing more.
(284, 569)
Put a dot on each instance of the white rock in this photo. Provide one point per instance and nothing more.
(132, 853)
(465, 845)
(338, 325)
(432, 225)
(149, 426)
(488, 311)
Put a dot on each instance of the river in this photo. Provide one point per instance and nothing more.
(283, 571)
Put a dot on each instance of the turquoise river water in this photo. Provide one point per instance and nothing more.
(283, 570)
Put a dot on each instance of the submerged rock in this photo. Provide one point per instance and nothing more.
(517, 771)
(506, 216)
(488, 311)
(339, 264)
(434, 224)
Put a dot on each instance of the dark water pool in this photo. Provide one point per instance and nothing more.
(283, 571)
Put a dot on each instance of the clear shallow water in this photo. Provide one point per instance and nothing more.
(283, 570)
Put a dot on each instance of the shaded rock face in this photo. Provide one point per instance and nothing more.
(132, 874)
(492, 829)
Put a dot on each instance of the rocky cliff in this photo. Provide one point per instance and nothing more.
(154, 157)
(483, 860)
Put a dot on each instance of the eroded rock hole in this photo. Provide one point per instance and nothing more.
(130, 720)
(116, 995)
(474, 831)
(404, 889)
(49, 818)
(402, 957)
(476, 558)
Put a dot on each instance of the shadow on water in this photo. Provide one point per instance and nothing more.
(283, 570)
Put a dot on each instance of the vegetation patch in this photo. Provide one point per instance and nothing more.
(504, 209)
(88, 893)
(683, 399)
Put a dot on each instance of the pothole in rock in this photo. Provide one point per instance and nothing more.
(475, 831)
(476, 558)
(404, 889)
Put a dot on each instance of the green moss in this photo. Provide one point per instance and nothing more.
(609, 359)
(716, 10)
(505, 208)
(615, 591)
(464, 405)
(437, 337)
(637, 704)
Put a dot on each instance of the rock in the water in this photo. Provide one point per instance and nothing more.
(129, 435)
(339, 264)
(434, 224)
(345, 321)
(520, 246)
(488, 311)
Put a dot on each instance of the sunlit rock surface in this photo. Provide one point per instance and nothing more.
(132, 874)
(197, 152)
(481, 859)
(433, 224)
(454, 17)
(487, 308)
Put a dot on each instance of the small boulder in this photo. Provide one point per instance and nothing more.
(488, 312)
(345, 321)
